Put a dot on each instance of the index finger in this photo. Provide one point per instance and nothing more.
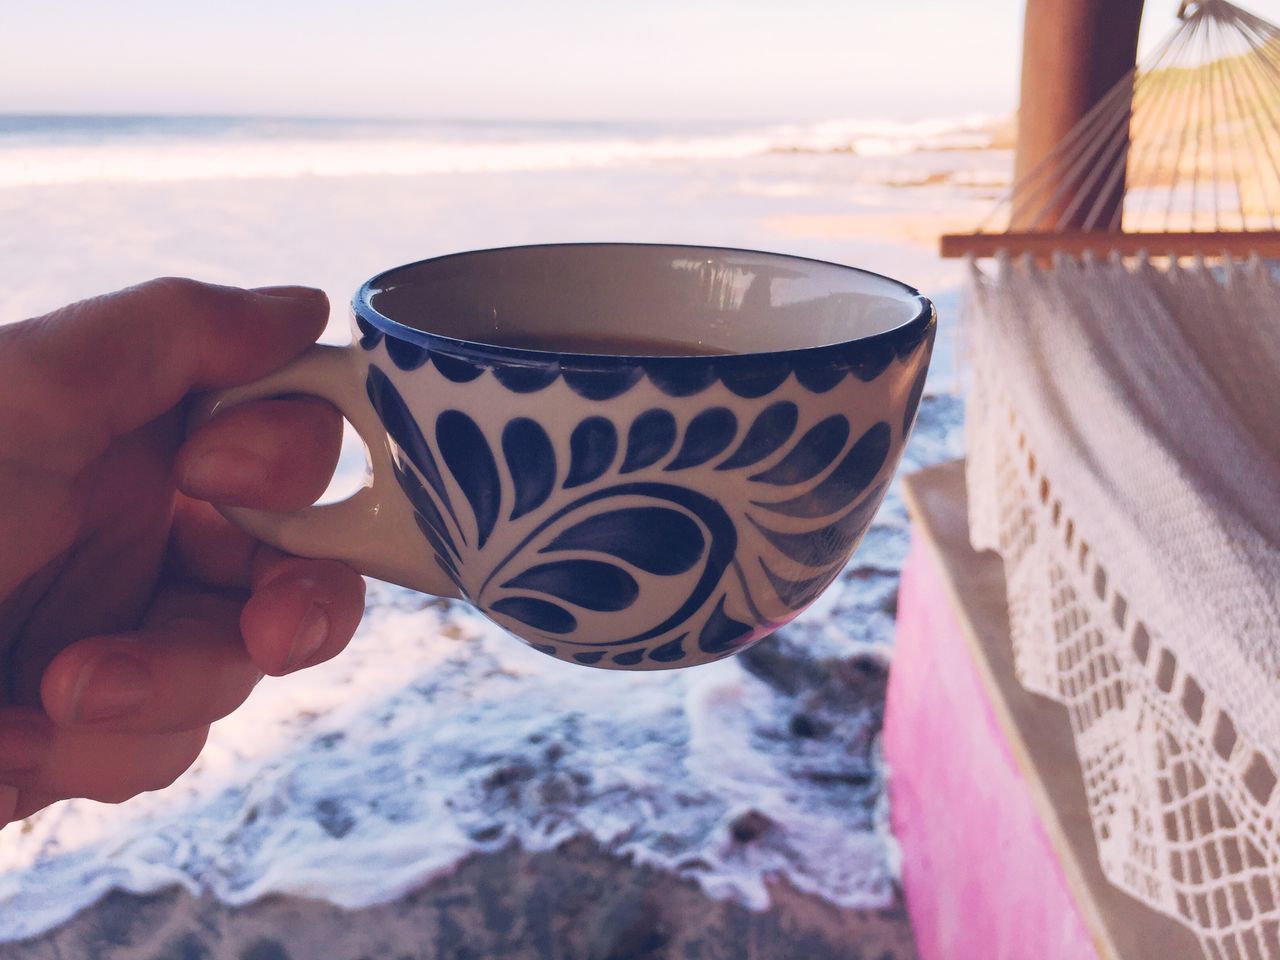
(101, 368)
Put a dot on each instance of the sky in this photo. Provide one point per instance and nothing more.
(542, 59)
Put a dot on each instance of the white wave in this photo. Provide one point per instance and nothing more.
(878, 138)
(194, 158)
(436, 736)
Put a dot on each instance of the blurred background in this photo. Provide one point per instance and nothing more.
(322, 142)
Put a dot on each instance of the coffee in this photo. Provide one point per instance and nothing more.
(604, 344)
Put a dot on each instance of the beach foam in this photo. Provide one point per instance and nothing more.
(438, 736)
(140, 153)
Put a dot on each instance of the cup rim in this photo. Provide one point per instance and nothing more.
(362, 307)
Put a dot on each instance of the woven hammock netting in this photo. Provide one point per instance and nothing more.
(1124, 459)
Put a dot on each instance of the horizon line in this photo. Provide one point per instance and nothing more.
(484, 118)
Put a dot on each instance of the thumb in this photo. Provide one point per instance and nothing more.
(101, 368)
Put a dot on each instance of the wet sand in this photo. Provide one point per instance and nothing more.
(573, 903)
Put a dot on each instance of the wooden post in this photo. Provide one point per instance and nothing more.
(1073, 52)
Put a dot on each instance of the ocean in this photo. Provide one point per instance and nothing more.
(362, 779)
(40, 150)
(89, 203)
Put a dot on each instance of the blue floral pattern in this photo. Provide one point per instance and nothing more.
(621, 518)
(750, 376)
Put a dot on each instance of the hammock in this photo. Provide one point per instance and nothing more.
(1124, 459)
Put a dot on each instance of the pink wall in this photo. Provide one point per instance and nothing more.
(980, 877)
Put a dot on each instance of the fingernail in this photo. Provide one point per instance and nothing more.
(291, 293)
(23, 744)
(223, 472)
(312, 631)
(111, 687)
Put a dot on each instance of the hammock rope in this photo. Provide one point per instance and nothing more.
(1188, 142)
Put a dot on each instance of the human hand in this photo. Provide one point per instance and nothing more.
(132, 614)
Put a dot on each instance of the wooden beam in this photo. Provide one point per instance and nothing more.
(1073, 52)
(1265, 243)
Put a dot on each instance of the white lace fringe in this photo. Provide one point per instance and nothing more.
(1124, 459)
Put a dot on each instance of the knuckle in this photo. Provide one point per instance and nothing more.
(166, 778)
(316, 411)
(159, 777)
(179, 290)
(8, 804)
(225, 695)
(187, 297)
(191, 743)
(117, 792)
(33, 801)
(159, 771)
(299, 420)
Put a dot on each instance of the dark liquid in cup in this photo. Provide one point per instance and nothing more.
(605, 344)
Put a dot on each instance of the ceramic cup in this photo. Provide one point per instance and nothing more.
(609, 508)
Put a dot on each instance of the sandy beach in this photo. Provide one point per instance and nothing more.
(440, 791)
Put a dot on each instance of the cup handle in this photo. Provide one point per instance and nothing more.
(373, 530)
